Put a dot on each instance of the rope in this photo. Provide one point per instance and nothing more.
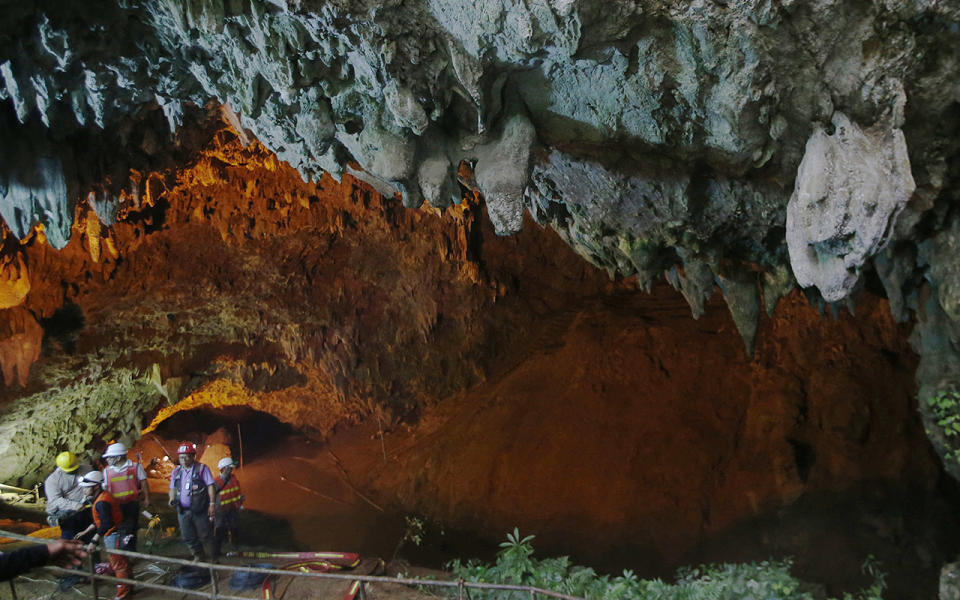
(361, 578)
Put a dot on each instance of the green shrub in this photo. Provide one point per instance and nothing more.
(767, 580)
(945, 410)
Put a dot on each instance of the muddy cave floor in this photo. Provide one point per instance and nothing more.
(298, 498)
(303, 494)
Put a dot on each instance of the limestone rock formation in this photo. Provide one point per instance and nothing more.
(850, 189)
(19, 346)
(657, 138)
(14, 281)
(949, 582)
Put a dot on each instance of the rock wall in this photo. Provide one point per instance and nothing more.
(236, 282)
(635, 437)
(751, 145)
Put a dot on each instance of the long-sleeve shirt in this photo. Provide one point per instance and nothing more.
(104, 517)
(22, 560)
(63, 491)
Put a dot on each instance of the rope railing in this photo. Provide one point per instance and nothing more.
(215, 594)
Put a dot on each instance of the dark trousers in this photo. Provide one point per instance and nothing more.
(131, 521)
(226, 525)
(195, 530)
(73, 523)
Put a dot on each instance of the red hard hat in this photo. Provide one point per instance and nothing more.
(187, 448)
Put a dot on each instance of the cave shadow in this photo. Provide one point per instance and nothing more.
(63, 326)
(249, 433)
(829, 534)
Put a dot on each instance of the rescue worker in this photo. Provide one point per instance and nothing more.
(229, 504)
(112, 529)
(192, 490)
(67, 505)
(65, 498)
(127, 483)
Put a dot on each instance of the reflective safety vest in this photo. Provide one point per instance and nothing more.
(230, 495)
(199, 498)
(115, 515)
(122, 483)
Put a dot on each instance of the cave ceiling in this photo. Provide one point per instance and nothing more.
(756, 147)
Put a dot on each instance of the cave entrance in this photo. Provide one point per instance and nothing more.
(238, 431)
(302, 493)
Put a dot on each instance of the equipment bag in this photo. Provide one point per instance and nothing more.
(190, 578)
(242, 581)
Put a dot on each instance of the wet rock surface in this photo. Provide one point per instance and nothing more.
(654, 137)
(236, 284)
(749, 148)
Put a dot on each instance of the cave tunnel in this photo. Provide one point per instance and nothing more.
(464, 397)
(613, 446)
(298, 493)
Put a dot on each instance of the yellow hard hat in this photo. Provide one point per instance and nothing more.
(67, 462)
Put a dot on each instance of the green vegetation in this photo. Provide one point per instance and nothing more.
(945, 408)
(767, 580)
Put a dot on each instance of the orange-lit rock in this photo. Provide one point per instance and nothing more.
(538, 391)
(14, 281)
(20, 342)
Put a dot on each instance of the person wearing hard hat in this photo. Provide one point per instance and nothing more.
(64, 496)
(192, 490)
(111, 527)
(229, 503)
(127, 483)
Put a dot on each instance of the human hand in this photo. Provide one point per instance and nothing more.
(68, 553)
(211, 511)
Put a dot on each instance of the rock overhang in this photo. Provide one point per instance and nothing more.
(706, 142)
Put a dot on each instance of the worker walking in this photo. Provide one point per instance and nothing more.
(192, 490)
(229, 504)
(127, 483)
(65, 497)
(112, 528)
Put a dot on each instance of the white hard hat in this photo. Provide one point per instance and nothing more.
(116, 449)
(225, 462)
(91, 479)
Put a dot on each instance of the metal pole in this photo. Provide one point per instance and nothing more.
(240, 440)
(383, 448)
(93, 580)
(213, 580)
(13, 590)
(363, 591)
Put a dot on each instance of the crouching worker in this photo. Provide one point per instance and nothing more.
(192, 491)
(229, 503)
(65, 498)
(111, 528)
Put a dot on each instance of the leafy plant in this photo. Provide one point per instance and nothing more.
(413, 531)
(945, 409)
(767, 580)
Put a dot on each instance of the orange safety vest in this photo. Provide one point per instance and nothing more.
(122, 483)
(115, 515)
(229, 492)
